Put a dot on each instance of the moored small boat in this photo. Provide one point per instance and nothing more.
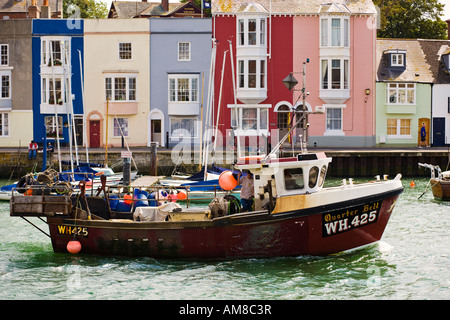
(439, 181)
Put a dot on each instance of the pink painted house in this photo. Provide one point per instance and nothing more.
(336, 38)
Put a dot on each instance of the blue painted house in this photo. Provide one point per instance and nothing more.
(57, 45)
(180, 58)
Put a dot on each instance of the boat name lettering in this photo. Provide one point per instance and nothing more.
(71, 230)
(348, 219)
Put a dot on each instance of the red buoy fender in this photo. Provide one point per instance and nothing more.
(74, 246)
(227, 181)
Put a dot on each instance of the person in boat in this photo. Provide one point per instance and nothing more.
(32, 149)
(247, 192)
(49, 147)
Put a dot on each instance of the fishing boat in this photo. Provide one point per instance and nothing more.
(293, 215)
(439, 181)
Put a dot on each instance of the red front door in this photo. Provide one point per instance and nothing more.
(94, 133)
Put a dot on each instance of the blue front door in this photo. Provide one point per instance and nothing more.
(438, 132)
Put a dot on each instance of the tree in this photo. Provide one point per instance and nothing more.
(85, 9)
(411, 19)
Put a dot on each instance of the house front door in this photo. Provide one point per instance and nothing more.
(94, 133)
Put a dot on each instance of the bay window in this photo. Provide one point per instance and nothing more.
(53, 90)
(335, 32)
(251, 31)
(335, 74)
(5, 85)
(183, 88)
(120, 88)
(252, 73)
(401, 93)
(55, 51)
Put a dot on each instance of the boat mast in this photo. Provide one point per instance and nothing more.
(84, 115)
(56, 105)
(235, 102)
(209, 107)
(304, 116)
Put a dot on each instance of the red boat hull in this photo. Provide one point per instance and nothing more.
(313, 231)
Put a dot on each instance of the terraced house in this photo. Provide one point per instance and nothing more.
(413, 88)
(335, 41)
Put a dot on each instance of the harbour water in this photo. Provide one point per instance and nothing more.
(411, 262)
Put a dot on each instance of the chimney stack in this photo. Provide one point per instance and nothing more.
(33, 11)
(45, 10)
(165, 5)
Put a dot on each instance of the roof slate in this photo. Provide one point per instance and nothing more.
(433, 50)
(417, 69)
(298, 6)
(22, 5)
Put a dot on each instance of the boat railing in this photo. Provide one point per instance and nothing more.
(161, 193)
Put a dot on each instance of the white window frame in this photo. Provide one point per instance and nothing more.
(259, 35)
(4, 47)
(46, 83)
(5, 74)
(124, 125)
(4, 124)
(333, 131)
(243, 74)
(262, 119)
(124, 51)
(130, 87)
(328, 31)
(184, 51)
(183, 131)
(344, 67)
(398, 134)
(65, 45)
(395, 58)
(400, 93)
(174, 88)
(50, 123)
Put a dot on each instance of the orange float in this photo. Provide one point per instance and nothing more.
(227, 181)
(128, 198)
(74, 246)
(181, 195)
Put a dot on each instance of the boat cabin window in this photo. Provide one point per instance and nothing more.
(313, 174)
(293, 179)
(323, 172)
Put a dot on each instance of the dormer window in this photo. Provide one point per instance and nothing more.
(397, 58)
(446, 60)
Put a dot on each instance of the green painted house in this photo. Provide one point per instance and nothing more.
(403, 93)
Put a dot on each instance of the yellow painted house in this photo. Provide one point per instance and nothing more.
(116, 75)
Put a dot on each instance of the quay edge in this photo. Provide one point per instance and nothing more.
(14, 163)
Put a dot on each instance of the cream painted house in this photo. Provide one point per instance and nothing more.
(116, 75)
